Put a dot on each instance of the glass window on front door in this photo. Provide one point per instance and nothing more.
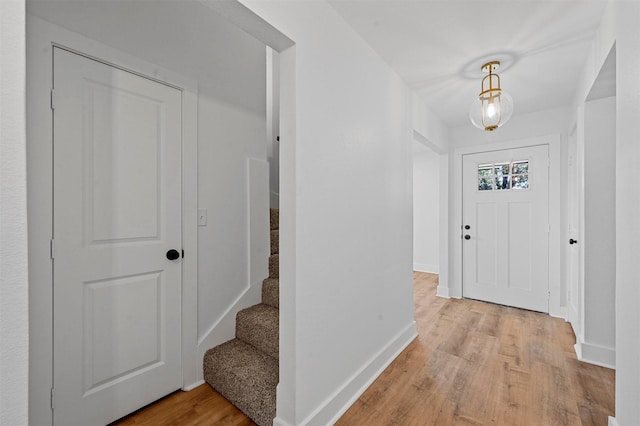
(503, 176)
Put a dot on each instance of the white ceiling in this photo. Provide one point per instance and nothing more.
(438, 46)
(184, 36)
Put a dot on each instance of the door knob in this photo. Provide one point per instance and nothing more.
(173, 254)
(467, 227)
(467, 237)
(572, 241)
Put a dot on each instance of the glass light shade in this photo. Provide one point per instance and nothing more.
(491, 110)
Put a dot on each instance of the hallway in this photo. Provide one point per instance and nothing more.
(473, 363)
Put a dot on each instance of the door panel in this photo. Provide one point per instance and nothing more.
(117, 211)
(506, 225)
(486, 254)
(520, 238)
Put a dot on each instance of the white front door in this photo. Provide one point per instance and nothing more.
(506, 227)
(117, 212)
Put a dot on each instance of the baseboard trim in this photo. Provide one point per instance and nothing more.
(330, 411)
(578, 348)
(612, 421)
(424, 267)
(279, 422)
(192, 386)
(596, 354)
(442, 291)
(561, 313)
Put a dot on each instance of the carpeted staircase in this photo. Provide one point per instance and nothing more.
(245, 370)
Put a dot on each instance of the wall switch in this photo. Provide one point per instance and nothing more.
(202, 217)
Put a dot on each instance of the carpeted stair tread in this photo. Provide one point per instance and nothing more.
(246, 376)
(275, 241)
(274, 266)
(258, 326)
(271, 292)
(274, 217)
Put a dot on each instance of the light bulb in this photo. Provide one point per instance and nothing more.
(491, 109)
(490, 115)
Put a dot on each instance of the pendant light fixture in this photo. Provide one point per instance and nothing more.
(493, 106)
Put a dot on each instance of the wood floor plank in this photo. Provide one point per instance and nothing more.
(473, 363)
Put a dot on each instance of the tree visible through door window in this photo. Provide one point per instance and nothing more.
(500, 176)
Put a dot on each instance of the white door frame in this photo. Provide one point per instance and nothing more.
(42, 36)
(574, 230)
(556, 309)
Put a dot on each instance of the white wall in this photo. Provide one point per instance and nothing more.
(552, 126)
(346, 237)
(627, 27)
(228, 136)
(621, 25)
(598, 237)
(426, 209)
(14, 323)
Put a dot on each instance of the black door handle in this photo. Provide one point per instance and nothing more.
(173, 254)
(467, 237)
(467, 227)
(572, 241)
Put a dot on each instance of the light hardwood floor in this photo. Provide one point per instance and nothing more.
(473, 363)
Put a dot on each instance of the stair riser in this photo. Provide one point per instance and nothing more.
(244, 376)
(258, 326)
(274, 218)
(275, 241)
(274, 266)
(271, 293)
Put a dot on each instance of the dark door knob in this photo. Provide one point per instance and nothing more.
(467, 227)
(173, 254)
(467, 237)
(572, 241)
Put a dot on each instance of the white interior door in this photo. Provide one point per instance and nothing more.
(117, 212)
(506, 227)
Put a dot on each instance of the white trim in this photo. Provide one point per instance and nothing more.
(238, 304)
(191, 364)
(578, 349)
(572, 318)
(193, 385)
(41, 36)
(280, 422)
(553, 141)
(339, 402)
(423, 267)
(612, 421)
(562, 313)
(596, 354)
(443, 291)
(274, 199)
